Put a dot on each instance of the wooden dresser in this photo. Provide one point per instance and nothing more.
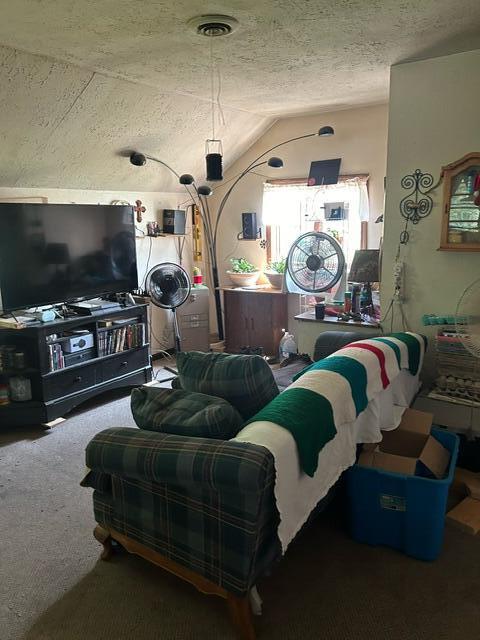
(254, 318)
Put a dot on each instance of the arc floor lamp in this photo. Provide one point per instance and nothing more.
(199, 196)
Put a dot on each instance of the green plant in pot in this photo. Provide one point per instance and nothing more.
(243, 273)
(275, 272)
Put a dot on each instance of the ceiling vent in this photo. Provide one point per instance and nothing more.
(213, 25)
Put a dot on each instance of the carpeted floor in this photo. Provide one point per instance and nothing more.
(53, 587)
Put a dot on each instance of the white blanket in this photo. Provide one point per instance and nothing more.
(296, 493)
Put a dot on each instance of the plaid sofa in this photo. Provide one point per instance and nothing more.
(206, 504)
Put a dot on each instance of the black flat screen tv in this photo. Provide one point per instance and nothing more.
(51, 253)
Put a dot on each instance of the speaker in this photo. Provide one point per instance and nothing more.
(249, 226)
(174, 221)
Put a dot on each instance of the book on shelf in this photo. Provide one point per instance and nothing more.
(115, 340)
(56, 359)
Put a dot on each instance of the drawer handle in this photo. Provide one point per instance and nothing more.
(124, 363)
(78, 379)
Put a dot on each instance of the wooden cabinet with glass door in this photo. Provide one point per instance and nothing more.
(461, 205)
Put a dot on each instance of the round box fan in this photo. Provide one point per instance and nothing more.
(168, 286)
(315, 262)
(467, 318)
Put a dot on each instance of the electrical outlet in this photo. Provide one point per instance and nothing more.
(398, 280)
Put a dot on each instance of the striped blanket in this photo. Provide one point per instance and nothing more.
(334, 391)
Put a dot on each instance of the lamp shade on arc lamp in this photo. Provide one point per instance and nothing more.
(324, 132)
(275, 163)
(204, 190)
(138, 159)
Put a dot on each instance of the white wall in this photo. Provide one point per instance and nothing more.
(433, 121)
(163, 249)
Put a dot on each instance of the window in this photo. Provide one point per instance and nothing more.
(291, 208)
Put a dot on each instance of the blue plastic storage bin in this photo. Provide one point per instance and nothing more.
(400, 511)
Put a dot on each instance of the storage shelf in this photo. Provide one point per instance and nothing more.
(94, 360)
(55, 393)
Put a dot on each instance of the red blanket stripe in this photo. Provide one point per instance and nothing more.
(380, 355)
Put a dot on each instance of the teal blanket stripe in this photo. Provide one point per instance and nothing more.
(414, 351)
(394, 347)
(352, 370)
(309, 418)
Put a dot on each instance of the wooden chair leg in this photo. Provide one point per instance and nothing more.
(241, 615)
(103, 536)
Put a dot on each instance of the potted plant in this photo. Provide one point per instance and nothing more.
(243, 273)
(275, 272)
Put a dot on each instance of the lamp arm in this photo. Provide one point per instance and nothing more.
(227, 195)
(280, 144)
(175, 174)
(205, 215)
(204, 210)
(165, 165)
(207, 228)
(207, 209)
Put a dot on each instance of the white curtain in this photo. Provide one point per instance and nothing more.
(293, 209)
(282, 202)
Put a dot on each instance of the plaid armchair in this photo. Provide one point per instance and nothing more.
(201, 508)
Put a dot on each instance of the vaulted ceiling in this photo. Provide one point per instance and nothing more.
(82, 82)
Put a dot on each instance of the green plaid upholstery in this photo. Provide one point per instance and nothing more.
(98, 480)
(184, 413)
(245, 381)
(176, 384)
(205, 504)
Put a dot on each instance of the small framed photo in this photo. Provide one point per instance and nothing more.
(335, 211)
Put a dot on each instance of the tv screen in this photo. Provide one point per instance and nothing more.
(53, 253)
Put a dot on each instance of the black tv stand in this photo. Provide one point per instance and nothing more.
(61, 380)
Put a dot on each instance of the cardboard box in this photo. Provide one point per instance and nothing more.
(409, 448)
(467, 482)
(466, 516)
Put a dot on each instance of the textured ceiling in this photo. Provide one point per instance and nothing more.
(82, 81)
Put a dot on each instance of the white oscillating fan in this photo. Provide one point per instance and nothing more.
(467, 318)
(168, 286)
(315, 262)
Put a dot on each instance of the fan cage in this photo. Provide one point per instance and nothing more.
(315, 262)
(168, 285)
(467, 319)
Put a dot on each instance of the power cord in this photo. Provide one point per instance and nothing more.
(148, 263)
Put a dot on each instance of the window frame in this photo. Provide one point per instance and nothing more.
(304, 181)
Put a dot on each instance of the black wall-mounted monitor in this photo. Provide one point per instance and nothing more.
(51, 253)
(324, 172)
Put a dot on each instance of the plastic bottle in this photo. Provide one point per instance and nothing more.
(347, 307)
(287, 346)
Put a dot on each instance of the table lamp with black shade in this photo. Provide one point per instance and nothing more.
(365, 270)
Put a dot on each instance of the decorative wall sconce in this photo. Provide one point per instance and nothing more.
(417, 204)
